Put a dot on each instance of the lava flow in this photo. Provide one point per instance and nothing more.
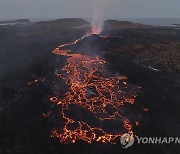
(91, 109)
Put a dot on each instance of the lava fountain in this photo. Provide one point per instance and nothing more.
(96, 25)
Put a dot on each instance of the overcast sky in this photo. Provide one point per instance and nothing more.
(13, 9)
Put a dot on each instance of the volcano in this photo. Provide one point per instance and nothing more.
(82, 96)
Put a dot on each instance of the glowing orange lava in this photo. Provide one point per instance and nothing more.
(93, 89)
(96, 29)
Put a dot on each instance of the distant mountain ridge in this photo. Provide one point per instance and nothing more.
(61, 23)
(16, 21)
(115, 25)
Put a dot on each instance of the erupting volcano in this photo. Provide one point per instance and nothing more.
(89, 77)
(92, 107)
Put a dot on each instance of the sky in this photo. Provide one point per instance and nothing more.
(16, 9)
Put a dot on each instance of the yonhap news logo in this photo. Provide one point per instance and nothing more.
(127, 140)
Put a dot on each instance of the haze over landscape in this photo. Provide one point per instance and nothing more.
(13, 9)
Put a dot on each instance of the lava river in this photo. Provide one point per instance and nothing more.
(92, 108)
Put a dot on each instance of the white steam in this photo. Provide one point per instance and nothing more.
(100, 8)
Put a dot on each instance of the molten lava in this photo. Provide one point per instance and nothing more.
(93, 89)
(96, 29)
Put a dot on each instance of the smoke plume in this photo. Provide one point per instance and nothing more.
(100, 8)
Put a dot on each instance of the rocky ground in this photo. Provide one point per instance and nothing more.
(164, 56)
(161, 55)
(147, 55)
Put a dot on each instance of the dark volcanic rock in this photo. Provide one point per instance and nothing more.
(27, 51)
(90, 45)
(161, 55)
(93, 43)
